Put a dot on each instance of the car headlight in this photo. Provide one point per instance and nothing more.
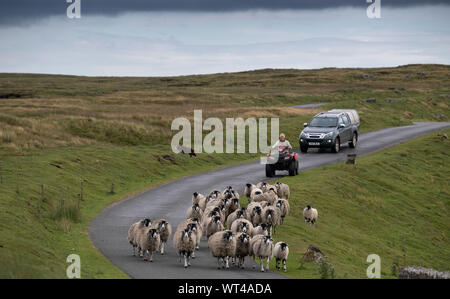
(328, 135)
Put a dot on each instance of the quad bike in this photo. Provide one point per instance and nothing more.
(286, 161)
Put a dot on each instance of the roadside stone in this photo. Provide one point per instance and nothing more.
(417, 272)
(313, 254)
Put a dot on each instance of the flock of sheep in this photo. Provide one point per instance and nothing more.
(248, 230)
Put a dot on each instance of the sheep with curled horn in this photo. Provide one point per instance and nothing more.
(132, 233)
(222, 245)
(165, 230)
(199, 199)
(240, 213)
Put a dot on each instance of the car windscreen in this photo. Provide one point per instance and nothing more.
(323, 122)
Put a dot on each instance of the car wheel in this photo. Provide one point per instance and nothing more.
(292, 168)
(337, 145)
(269, 171)
(352, 143)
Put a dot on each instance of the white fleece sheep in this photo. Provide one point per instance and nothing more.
(222, 245)
(165, 230)
(282, 190)
(231, 206)
(133, 230)
(148, 242)
(184, 243)
(242, 225)
(262, 247)
(215, 225)
(284, 207)
(271, 217)
(254, 213)
(269, 196)
(281, 253)
(248, 190)
(310, 214)
(261, 229)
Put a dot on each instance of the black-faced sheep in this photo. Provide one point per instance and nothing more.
(254, 213)
(215, 225)
(269, 196)
(281, 253)
(271, 217)
(242, 248)
(240, 213)
(262, 247)
(231, 206)
(282, 190)
(310, 214)
(165, 230)
(242, 225)
(184, 243)
(222, 245)
(248, 190)
(194, 211)
(148, 242)
(261, 229)
(199, 199)
(133, 230)
(284, 207)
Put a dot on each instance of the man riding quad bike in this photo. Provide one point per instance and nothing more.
(282, 158)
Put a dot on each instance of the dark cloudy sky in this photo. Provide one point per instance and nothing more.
(174, 37)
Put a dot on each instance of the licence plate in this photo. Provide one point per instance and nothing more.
(314, 143)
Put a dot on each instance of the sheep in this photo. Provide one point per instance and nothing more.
(194, 212)
(269, 196)
(216, 194)
(231, 206)
(255, 192)
(242, 225)
(148, 242)
(261, 229)
(310, 214)
(242, 248)
(240, 213)
(254, 213)
(184, 243)
(248, 190)
(282, 190)
(186, 222)
(133, 230)
(165, 230)
(270, 188)
(215, 225)
(200, 199)
(193, 224)
(271, 217)
(207, 218)
(220, 209)
(284, 207)
(222, 245)
(262, 246)
(260, 185)
(281, 253)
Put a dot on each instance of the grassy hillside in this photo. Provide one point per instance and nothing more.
(59, 131)
(395, 203)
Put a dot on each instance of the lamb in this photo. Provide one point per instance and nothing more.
(310, 214)
(242, 248)
(215, 225)
(282, 190)
(222, 245)
(184, 244)
(248, 190)
(262, 247)
(133, 230)
(165, 230)
(271, 217)
(148, 242)
(199, 199)
(284, 207)
(242, 225)
(240, 213)
(194, 212)
(261, 229)
(281, 253)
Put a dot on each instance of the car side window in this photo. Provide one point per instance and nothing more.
(340, 120)
(346, 121)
